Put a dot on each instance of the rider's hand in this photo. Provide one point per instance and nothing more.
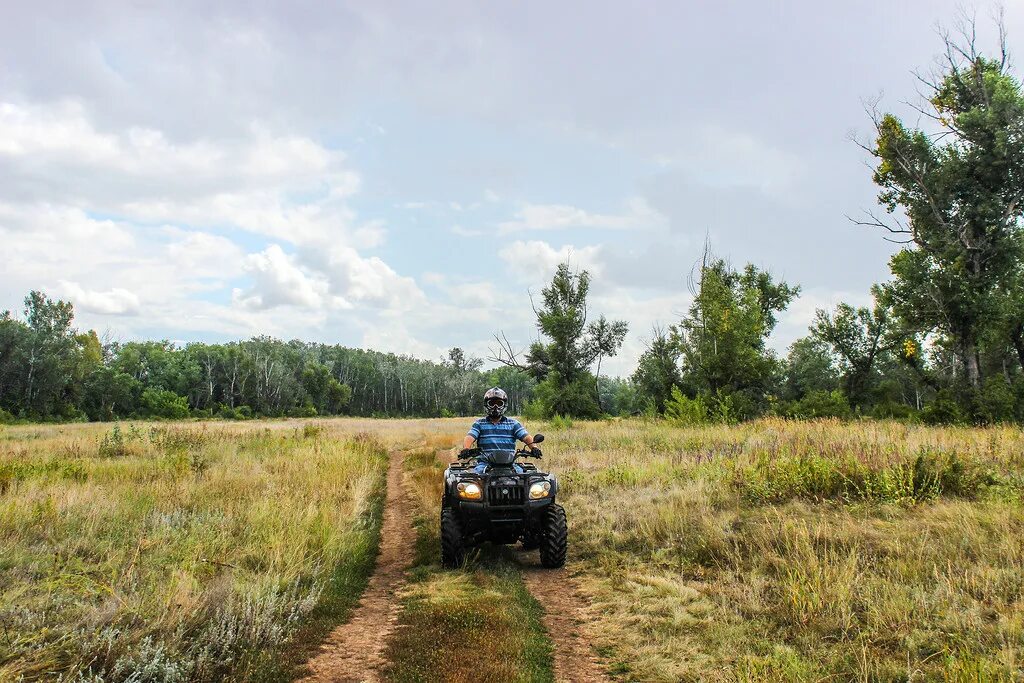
(535, 452)
(465, 453)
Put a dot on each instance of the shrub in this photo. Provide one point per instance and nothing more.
(893, 410)
(997, 400)
(927, 476)
(239, 413)
(561, 422)
(115, 443)
(945, 409)
(163, 403)
(306, 410)
(533, 410)
(576, 399)
(820, 404)
(683, 410)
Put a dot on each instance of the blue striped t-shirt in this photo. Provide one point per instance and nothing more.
(497, 436)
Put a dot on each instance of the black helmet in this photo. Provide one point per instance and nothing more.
(495, 400)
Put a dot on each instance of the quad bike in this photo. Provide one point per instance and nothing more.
(509, 502)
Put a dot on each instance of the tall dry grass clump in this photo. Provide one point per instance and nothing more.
(179, 552)
(779, 551)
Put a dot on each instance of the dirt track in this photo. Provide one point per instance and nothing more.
(564, 615)
(354, 650)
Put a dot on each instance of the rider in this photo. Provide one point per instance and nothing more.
(496, 432)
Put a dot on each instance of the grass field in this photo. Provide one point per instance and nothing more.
(778, 551)
(174, 552)
(770, 551)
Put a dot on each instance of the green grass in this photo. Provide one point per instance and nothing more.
(782, 551)
(179, 552)
(475, 624)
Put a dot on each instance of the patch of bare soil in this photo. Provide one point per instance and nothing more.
(565, 612)
(354, 651)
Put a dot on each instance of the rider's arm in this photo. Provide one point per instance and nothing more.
(472, 435)
(523, 435)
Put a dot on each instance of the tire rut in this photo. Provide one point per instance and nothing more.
(354, 651)
(565, 613)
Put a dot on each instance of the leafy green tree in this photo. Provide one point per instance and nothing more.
(658, 370)
(48, 355)
(316, 380)
(562, 364)
(338, 396)
(961, 190)
(809, 367)
(857, 336)
(723, 339)
(109, 393)
(458, 360)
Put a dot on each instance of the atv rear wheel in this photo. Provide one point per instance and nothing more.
(453, 548)
(554, 537)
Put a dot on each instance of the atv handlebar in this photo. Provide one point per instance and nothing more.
(470, 453)
(534, 452)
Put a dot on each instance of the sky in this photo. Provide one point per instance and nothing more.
(404, 176)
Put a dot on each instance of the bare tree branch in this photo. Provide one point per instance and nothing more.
(506, 354)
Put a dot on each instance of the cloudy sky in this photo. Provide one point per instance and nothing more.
(400, 175)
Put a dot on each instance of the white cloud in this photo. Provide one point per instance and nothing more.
(466, 232)
(473, 294)
(365, 280)
(248, 182)
(538, 258)
(203, 254)
(638, 215)
(116, 301)
(279, 281)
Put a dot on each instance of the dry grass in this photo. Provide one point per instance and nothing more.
(755, 552)
(771, 551)
(186, 551)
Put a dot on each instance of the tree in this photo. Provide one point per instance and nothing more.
(562, 364)
(657, 371)
(961, 189)
(857, 337)
(723, 339)
(809, 367)
(108, 393)
(458, 360)
(606, 339)
(47, 355)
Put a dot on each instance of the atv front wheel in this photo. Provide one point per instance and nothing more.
(453, 549)
(554, 537)
(531, 541)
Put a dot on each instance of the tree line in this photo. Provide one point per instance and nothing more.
(49, 370)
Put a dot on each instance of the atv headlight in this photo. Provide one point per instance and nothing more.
(469, 490)
(541, 489)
